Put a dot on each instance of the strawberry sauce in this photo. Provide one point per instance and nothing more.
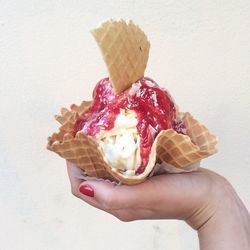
(154, 108)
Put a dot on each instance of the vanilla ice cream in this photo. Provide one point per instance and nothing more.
(121, 144)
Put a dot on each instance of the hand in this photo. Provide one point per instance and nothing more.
(201, 198)
(173, 196)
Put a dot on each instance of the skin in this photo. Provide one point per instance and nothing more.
(203, 199)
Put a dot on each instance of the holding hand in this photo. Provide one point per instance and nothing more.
(204, 199)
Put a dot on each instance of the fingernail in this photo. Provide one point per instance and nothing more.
(86, 190)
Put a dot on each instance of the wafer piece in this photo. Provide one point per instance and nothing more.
(125, 50)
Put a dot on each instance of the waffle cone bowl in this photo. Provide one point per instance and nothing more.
(176, 149)
(125, 50)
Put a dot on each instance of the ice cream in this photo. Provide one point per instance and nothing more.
(121, 144)
(131, 123)
(153, 111)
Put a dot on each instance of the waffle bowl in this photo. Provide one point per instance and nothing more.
(179, 150)
(125, 50)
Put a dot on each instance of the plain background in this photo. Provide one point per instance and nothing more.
(48, 59)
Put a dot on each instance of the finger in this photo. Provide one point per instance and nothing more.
(77, 182)
(99, 194)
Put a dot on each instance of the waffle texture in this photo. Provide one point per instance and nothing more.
(125, 50)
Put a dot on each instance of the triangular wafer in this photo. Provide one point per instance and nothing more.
(125, 50)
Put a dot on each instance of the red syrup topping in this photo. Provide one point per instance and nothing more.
(153, 106)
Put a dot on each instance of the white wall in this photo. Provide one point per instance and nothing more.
(48, 59)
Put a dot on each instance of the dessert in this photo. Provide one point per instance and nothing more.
(131, 123)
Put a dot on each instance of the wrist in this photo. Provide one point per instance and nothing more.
(217, 189)
(222, 221)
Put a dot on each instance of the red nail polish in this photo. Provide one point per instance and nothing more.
(86, 190)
